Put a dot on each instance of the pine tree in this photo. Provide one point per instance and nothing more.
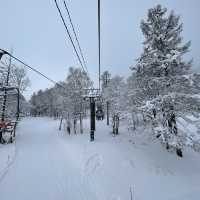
(163, 77)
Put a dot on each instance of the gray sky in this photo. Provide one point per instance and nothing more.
(35, 32)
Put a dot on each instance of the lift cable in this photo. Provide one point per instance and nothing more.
(75, 34)
(33, 69)
(69, 35)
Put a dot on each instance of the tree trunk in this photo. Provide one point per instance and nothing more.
(179, 152)
(134, 122)
(81, 123)
(60, 127)
(74, 126)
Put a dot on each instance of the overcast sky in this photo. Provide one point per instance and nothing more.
(35, 32)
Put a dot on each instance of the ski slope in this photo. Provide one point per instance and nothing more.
(52, 165)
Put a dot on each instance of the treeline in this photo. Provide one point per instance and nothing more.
(64, 99)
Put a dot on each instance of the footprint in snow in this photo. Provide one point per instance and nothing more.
(93, 164)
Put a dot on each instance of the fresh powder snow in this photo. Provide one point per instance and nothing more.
(47, 164)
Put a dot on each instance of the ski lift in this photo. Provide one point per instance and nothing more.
(8, 120)
(99, 114)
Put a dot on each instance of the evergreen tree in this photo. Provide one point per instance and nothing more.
(163, 77)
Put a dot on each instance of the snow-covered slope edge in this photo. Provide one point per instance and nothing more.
(7, 155)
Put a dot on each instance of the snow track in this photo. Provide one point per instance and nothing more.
(93, 164)
(8, 160)
(41, 167)
(52, 165)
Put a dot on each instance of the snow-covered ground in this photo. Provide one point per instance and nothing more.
(7, 156)
(52, 165)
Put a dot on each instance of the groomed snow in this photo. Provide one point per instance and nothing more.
(51, 165)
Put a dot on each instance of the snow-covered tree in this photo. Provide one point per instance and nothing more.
(77, 81)
(115, 94)
(65, 99)
(12, 76)
(76, 84)
(19, 78)
(105, 77)
(163, 77)
(48, 102)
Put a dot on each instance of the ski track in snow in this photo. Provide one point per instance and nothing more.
(11, 156)
(91, 168)
(51, 165)
(93, 164)
(10, 161)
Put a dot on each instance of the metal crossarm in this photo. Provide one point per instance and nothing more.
(92, 93)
